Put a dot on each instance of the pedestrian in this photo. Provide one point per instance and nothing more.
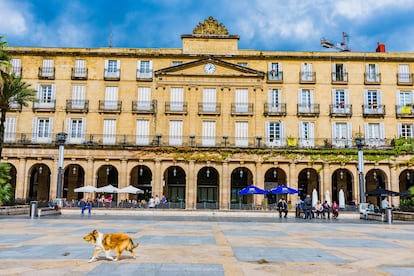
(86, 205)
(307, 207)
(335, 210)
(157, 201)
(151, 202)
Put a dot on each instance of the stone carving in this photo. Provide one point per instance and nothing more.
(210, 26)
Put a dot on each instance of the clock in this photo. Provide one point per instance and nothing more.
(209, 68)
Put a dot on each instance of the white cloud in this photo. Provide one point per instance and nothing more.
(12, 20)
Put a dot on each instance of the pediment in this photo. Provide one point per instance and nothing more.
(222, 69)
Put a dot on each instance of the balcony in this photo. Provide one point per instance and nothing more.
(373, 110)
(274, 110)
(46, 73)
(77, 106)
(110, 107)
(307, 77)
(242, 109)
(179, 108)
(14, 107)
(274, 76)
(112, 75)
(144, 107)
(45, 107)
(308, 110)
(340, 110)
(79, 74)
(404, 111)
(404, 79)
(372, 78)
(145, 75)
(339, 78)
(209, 108)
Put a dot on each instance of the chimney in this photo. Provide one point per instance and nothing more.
(380, 47)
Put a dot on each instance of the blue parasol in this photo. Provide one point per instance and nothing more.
(283, 190)
(249, 190)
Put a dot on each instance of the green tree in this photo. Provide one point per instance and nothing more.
(4, 61)
(14, 91)
(6, 190)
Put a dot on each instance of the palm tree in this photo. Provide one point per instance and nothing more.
(4, 61)
(15, 91)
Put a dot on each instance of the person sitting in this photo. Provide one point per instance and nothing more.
(326, 209)
(319, 209)
(335, 210)
(282, 207)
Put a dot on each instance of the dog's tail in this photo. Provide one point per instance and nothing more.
(132, 245)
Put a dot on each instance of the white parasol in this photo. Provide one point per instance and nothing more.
(107, 189)
(341, 199)
(328, 197)
(85, 189)
(130, 190)
(314, 197)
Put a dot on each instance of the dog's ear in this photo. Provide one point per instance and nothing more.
(94, 231)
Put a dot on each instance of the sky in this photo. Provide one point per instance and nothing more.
(267, 25)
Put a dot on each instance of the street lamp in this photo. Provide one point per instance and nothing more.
(60, 140)
(359, 141)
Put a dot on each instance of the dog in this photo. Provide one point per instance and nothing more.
(107, 242)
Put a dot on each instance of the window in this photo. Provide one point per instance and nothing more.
(242, 100)
(144, 69)
(80, 68)
(76, 130)
(306, 134)
(275, 134)
(109, 131)
(45, 95)
(374, 134)
(305, 101)
(142, 132)
(177, 99)
(42, 130)
(209, 134)
(275, 71)
(48, 69)
(78, 96)
(176, 132)
(16, 66)
(372, 102)
(340, 101)
(372, 73)
(112, 69)
(339, 72)
(405, 131)
(307, 74)
(244, 64)
(404, 73)
(111, 98)
(242, 134)
(274, 100)
(175, 63)
(404, 101)
(341, 134)
(10, 129)
(144, 98)
(209, 100)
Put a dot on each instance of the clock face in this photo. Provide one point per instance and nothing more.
(209, 68)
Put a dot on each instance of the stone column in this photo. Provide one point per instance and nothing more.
(123, 177)
(393, 184)
(53, 177)
(157, 180)
(22, 180)
(225, 186)
(326, 183)
(191, 187)
(292, 180)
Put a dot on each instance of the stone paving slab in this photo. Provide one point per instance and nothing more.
(207, 246)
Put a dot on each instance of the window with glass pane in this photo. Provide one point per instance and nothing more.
(112, 66)
(405, 98)
(145, 66)
(43, 128)
(77, 127)
(339, 98)
(46, 94)
(274, 100)
(339, 72)
(274, 131)
(306, 98)
(372, 97)
(406, 131)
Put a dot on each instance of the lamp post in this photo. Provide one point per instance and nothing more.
(359, 141)
(60, 140)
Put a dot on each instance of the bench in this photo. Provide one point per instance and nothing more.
(372, 216)
(48, 212)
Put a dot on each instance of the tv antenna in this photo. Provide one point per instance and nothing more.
(342, 47)
(110, 34)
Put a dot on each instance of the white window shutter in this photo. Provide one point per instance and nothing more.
(282, 133)
(106, 64)
(346, 94)
(381, 130)
(365, 96)
(83, 128)
(334, 131)
(118, 65)
(379, 96)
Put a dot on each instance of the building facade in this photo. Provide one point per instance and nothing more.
(201, 122)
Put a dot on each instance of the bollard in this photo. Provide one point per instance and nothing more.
(33, 209)
(389, 215)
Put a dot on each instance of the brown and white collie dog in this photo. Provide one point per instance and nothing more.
(107, 242)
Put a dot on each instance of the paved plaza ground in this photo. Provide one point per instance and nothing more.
(191, 243)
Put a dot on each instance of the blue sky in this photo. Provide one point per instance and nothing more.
(275, 25)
